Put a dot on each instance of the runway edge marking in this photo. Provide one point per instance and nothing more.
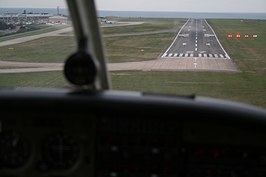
(226, 54)
(165, 53)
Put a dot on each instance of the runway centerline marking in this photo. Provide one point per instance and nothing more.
(195, 65)
(181, 46)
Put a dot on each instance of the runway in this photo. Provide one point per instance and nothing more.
(197, 39)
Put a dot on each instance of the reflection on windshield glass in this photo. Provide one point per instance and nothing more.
(180, 47)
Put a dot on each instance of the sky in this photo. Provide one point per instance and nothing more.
(153, 5)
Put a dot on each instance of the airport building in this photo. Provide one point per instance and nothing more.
(12, 18)
(58, 19)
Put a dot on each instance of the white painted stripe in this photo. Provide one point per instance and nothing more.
(217, 39)
(196, 45)
(164, 55)
(181, 54)
(186, 55)
(205, 55)
(196, 41)
(200, 55)
(177, 36)
(216, 56)
(226, 56)
(191, 55)
(222, 56)
(170, 54)
(175, 54)
(196, 38)
(196, 49)
(210, 55)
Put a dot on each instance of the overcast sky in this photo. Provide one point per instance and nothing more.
(154, 5)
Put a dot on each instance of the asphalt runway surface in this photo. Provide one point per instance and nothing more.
(196, 38)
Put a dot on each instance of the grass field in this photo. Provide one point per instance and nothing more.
(148, 25)
(136, 48)
(35, 79)
(139, 47)
(48, 49)
(248, 53)
(244, 87)
(42, 29)
(248, 86)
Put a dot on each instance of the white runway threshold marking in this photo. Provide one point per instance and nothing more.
(195, 52)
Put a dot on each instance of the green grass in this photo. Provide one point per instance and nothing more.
(243, 87)
(119, 49)
(232, 86)
(35, 79)
(42, 29)
(137, 48)
(148, 25)
(248, 53)
(49, 49)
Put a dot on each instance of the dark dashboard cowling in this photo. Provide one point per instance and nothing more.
(73, 133)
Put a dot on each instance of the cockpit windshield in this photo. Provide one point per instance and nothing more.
(212, 48)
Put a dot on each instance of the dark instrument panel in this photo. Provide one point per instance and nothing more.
(169, 147)
(78, 135)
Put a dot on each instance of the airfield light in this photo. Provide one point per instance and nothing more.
(255, 35)
(216, 153)
(200, 152)
(229, 35)
(238, 35)
(246, 35)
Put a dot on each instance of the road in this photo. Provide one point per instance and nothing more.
(196, 38)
